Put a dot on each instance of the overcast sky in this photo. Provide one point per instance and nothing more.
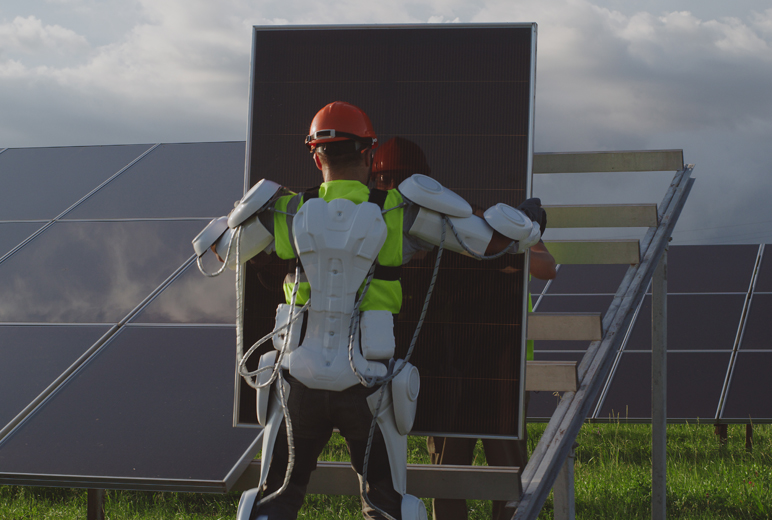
(612, 75)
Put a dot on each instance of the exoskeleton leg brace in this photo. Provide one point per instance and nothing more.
(395, 416)
(270, 415)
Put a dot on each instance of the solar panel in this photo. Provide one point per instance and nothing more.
(91, 272)
(174, 180)
(764, 279)
(694, 383)
(162, 419)
(193, 298)
(14, 233)
(756, 334)
(747, 396)
(463, 94)
(40, 183)
(701, 269)
(536, 286)
(574, 303)
(588, 279)
(33, 357)
(694, 322)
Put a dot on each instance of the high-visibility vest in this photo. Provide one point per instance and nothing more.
(385, 291)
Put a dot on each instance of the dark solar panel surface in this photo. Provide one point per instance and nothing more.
(91, 272)
(169, 387)
(193, 298)
(708, 288)
(14, 233)
(154, 408)
(694, 382)
(748, 395)
(40, 183)
(463, 95)
(33, 357)
(764, 280)
(757, 330)
(575, 303)
(163, 412)
(173, 181)
(700, 322)
(701, 269)
(588, 279)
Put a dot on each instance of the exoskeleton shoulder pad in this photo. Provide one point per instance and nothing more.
(255, 199)
(510, 222)
(430, 194)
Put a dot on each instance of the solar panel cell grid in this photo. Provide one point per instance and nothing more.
(701, 269)
(694, 322)
(588, 279)
(174, 180)
(694, 383)
(193, 298)
(91, 272)
(750, 388)
(575, 303)
(33, 357)
(756, 335)
(40, 183)
(463, 96)
(14, 233)
(163, 412)
(764, 279)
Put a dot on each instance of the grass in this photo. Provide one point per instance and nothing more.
(706, 480)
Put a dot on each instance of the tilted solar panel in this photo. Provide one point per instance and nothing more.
(174, 180)
(33, 357)
(41, 183)
(151, 410)
(91, 272)
(464, 95)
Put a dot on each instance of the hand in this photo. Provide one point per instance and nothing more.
(532, 208)
(214, 250)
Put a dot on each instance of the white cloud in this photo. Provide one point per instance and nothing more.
(177, 70)
(29, 36)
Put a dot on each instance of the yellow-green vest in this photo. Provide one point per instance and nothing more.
(382, 294)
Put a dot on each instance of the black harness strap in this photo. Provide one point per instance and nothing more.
(388, 273)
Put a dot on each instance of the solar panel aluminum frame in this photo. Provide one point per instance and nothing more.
(191, 485)
(138, 484)
(533, 27)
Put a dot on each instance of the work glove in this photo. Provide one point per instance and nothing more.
(532, 208)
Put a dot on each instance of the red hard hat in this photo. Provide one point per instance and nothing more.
(340, 121)
(400, 157)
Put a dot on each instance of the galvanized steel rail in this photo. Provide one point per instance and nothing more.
(555, 445)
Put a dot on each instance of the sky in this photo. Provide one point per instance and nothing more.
(611, 75)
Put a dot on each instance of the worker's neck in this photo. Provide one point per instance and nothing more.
(356, 173)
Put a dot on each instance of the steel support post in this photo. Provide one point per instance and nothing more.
(659, 389)
(96, 504)
(563, 490)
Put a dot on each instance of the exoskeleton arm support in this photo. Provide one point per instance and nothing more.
(254, 237)
(437, 203)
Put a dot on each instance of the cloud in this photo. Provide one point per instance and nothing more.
(30, 37)
(607, 80)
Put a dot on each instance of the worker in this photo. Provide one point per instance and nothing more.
(333, 364)
(393, 162)
(498, 452)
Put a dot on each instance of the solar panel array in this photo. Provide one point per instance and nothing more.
(117, 358)
(717, 336)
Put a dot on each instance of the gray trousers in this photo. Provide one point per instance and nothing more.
(314, 414)
(460, 451)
